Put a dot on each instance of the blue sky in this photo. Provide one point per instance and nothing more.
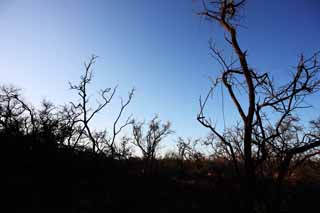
(158, 47)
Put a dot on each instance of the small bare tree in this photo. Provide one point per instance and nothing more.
(48, 123)
(117, 130)
(183, 148)
(16, 117)
(70, 124)
(86, 113)
(149, 143)
(187, 150)
(124, 149)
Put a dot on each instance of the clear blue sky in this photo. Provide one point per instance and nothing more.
(158, 47)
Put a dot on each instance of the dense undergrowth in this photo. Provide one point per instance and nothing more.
(44, 178)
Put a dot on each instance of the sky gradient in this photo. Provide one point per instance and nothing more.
(158, 47)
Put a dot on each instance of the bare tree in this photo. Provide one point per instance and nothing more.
(116, 130)
(149, 143)
(268, 127)
(87, 113)
(183, 148)
(70, 124)
(16, 116)
(124, 150)
(48, 123)
(187, 150)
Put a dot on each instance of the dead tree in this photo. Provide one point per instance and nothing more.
(267, 126)
(116, 130)
(149, 143)
(124, 150)
(16, 117)
(70, 124)
(85, 113)
(185, 152)
(184, 147)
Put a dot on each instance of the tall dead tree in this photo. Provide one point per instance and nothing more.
(269, 127)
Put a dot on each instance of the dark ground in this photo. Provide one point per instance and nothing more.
(39, 178)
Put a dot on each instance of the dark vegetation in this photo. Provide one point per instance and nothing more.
(43, 172)
(53, 161)
(44, 175)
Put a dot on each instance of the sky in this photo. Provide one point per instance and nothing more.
(158, 47)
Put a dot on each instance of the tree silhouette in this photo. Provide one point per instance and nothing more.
(269, 127)
(87, 113)
(149, 143)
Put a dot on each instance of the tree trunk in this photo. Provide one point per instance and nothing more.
(249, 171)
(283, 171)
